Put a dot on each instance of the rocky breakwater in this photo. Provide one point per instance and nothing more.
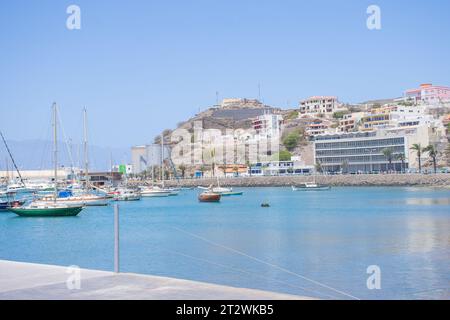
(438, 180)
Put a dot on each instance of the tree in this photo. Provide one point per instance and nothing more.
(318, 167)
(401, 157)
(292, 115)
(432, 152)
(344, 166)
(213, 163)
(447, 154)
(339, 114)
(389, 154)
(283, 155)
(418, 148)
(291, 140)
(249, 166)
(182, 168)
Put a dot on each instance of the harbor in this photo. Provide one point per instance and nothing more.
(236, 242)
(225, 150)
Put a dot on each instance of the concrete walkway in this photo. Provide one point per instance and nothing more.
(20, 280)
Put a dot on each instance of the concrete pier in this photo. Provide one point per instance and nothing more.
(20, 281)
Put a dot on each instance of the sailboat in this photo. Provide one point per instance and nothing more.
(40, 208)
(81, 196)
(222, 190)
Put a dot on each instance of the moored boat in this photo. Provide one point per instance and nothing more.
(209, 196)
(151, 192)
(127, 195)
(308, 186)
(44, 209)
(39, 208)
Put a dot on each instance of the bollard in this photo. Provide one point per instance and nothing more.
(116, 238)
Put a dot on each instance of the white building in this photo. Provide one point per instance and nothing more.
(268, 125)
(362, 152)
(320, 105)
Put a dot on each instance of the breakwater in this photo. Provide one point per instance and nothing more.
(438, 180)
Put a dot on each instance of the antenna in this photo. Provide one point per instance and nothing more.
(259, 92)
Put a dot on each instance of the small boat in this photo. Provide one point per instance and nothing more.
(127, 195)
(152, 192)
(232, 193)
(222, 190)
(311, 186)
(45, 209)
(209, 196)
(265, 205)
(6, 205)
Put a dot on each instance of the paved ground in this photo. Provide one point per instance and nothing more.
(37, 281)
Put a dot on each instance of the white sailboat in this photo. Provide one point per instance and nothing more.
(81, 195)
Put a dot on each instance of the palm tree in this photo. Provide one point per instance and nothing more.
(249, 166)
(318, 167)
(213, 164)
(418, 148)
(389, 154)
(182, 168)
(401, 157)
(432, 152)
(344, 166)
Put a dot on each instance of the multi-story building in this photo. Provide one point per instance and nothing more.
(145, 156)
(268, 125)
(362, 152)
(428, 94)
(320, 105)
(350, 122)
(318, 126)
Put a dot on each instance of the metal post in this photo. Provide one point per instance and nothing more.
(116, 238)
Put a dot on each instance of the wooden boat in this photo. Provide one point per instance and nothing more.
(311, 187)
(209, 196)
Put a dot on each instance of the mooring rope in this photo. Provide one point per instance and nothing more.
(266, 263)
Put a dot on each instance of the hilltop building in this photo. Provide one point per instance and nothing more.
(320, 105)
(268, 125)
(428, 94)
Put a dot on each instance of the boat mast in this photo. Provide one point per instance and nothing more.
(12, 159)
(55, 151)
(162, 160)
(86, 162)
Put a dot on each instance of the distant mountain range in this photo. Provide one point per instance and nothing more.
(38, 154)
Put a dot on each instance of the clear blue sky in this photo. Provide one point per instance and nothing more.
(142, 66)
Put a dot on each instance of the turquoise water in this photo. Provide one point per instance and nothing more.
(330, 237)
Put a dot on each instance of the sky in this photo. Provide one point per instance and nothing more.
(140, 67)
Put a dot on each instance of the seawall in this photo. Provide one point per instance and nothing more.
(437, 180)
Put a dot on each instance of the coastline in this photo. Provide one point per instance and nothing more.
(387, 180)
